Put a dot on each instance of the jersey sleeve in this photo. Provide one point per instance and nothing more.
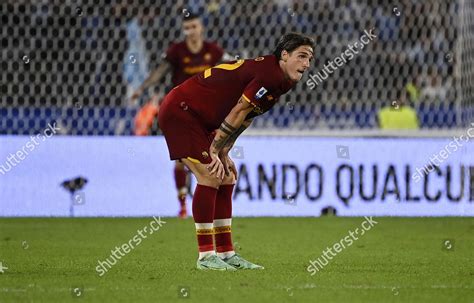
(256, 90)
(172, 55)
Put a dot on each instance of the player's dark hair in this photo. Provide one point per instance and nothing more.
(188, 16)
(290, 42)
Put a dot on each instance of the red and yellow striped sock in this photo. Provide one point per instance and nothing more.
(223, 221)
(203, 210)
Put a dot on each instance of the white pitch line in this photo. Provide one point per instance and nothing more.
(41, 289)
(306, 286)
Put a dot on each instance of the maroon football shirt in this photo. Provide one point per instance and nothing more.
(186, 64)
(213, 93)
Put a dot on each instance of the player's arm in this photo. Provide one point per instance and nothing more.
(229, 165)
(231, 124)
(232, 138)
(154, 77)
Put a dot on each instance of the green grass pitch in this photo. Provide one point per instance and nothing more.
(398, 260)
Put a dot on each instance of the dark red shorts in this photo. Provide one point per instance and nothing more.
(185, 135)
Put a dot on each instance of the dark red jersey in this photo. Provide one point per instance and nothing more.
(186, 64)
(213, 93)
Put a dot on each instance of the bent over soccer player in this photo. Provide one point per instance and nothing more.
(202, 118)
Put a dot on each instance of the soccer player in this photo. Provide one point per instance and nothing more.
(184, 59)
(202, 118)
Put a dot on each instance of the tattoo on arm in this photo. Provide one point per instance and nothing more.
(227, 128)
(232, 133)
(230, 127)
(220, 142)
(231, 139)
(239, 131)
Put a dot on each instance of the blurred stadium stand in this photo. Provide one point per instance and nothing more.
(76, 62)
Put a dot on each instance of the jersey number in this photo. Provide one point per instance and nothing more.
(226, 66)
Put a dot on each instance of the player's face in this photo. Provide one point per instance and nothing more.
(193, 29)
(297, 62)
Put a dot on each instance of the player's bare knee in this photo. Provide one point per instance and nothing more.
(209, 180)
(204, 177)
(229, 179)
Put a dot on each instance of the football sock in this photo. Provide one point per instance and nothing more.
(223, 221)
(203, 213)
(180, 181)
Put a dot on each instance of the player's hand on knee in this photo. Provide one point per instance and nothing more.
(232, 167)
(229, 166)
(225, 151)
(216, 167)
(223, 157)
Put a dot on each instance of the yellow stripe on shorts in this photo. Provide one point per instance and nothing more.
(194, 160)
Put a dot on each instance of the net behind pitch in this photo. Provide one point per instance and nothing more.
(467, 62)
(76, 63)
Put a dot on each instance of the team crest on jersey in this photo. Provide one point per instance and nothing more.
(207, 57)
(259, 59)
(262, 91)
(269, 97)
(186, 59)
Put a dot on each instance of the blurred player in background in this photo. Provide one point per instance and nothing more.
(202, 118)
(184, 59)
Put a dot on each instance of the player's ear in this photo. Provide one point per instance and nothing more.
(284, 55)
